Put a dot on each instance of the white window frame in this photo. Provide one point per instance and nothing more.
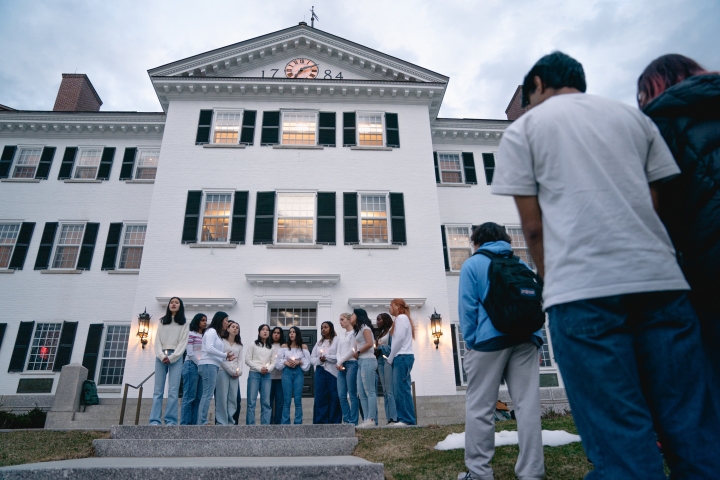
(462, 168)
(121, 245)
(293, 306)
(202, 215)
(387, 216)
(217, 111)
(307, 112)
(78, 156)
(12, 247)
(526, 248)
(357, 128)
(32, 341)
(16, 158)
(447, 241)
(56, 242)
(101, 353)
(277, 216)
(137, 161)
(460, 354)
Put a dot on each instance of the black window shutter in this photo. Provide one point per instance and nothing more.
(239, 218)
(349, 138)
(326, 218)
(22, 344)
(264, 216)
(68, 161)
(46, 244)
(111, 247)
(247, 133)
(21, 246)
(126, 171)
(6, 160)
(106, 162)
(65, 346)
(437, 167)
(92, 348)
(192, 216)
(456, 355)
(88, 246)
(3, 327)
(489, 163)
(391, 130)
(445, 248)
(204, 124)
(326, 129)
(469, 165)
(350, 217)
(397, 219)
(270, 134)
(43, 169)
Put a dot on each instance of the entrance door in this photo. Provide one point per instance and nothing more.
(309, 338)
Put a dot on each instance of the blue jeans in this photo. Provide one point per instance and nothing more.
(226, 393)
(208, 375)
(386, 378)
(174, 372)
(293, 379)
(257, 382)
(402, 364)
(277, 399)
(326, 408)
(192, 391)
(347, 385)
(633, 366)
(367, 372)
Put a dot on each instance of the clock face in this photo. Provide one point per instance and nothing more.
(301, 68)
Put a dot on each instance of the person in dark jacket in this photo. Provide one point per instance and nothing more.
(683, 99)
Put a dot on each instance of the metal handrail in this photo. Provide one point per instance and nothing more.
(140, 389)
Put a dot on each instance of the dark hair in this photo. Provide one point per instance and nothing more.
(195, 322)
(556, 70)
(332, 332)
(217, 322)
(266, 343)
(282, 336)
(298, 338)
(226, 335)
(663, 73)
(489, 232)
(361, 319)
(387, 324)
(179, 316)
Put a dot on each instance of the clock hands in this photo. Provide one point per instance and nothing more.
(303, 68)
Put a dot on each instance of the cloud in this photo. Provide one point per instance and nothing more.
(485, 47)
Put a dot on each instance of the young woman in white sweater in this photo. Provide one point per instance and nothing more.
(402, 358)
(192, 386)
(293, 360)
(347, 367)
(212, 357)
(170, 342)
(326, 408)
(259, 358)
(226, 387)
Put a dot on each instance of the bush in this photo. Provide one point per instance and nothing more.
(35, 418)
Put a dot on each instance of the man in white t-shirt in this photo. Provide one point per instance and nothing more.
(582, 170)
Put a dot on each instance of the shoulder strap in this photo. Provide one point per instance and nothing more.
(492, 255)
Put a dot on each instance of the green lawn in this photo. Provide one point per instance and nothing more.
(28, 446)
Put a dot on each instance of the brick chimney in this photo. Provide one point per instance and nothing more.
(515, 110)
(76, 94)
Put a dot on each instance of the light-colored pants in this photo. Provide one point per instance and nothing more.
(521, 368)
(226, 389)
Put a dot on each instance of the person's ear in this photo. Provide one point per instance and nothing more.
(538, 84)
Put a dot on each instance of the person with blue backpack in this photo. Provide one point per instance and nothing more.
(501, 319)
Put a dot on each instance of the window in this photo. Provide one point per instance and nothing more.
(216, 217)
(519, 246)
(299, 128)
(545, 350)
(68, 246)
(450, 168)
(44, 346)
(370, 129)
(461, 349)
(295, 218)
(8, 237)
(87, 165)
(373, 218)
(293, 317)
(226, 128)
(112, 367)
(27, 162)
(458, 241)
(132, 246)
(147, 164)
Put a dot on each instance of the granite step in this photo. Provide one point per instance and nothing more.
(231, 432)
(192, 468)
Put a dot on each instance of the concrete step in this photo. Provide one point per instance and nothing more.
(192, 468)
(245, 447)
(232, 432)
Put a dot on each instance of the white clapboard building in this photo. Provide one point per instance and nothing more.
(289, 178)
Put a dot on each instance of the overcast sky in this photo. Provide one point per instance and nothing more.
(487, 43)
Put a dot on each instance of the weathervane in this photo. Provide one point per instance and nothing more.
(313, 17)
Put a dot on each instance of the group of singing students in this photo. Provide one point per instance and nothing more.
(210, 358)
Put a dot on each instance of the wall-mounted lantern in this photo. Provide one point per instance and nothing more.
(436, 327)
(143, 327)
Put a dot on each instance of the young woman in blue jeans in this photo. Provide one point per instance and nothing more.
(347, 367)
(192, 386)
(259, 358)
(385, 370)
(293, 360)
(367, 367)
(402, 358)
(277, 399)
(212, 358)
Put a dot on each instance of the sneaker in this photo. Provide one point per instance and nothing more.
(466, 476)
(390, 423)
(367, 423)
(400, 424)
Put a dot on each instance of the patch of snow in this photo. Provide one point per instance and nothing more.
(550, 438)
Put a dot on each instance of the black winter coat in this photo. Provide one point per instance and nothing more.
(688, 116)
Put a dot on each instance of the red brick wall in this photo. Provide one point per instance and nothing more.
(76, 94)
(514, 109)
